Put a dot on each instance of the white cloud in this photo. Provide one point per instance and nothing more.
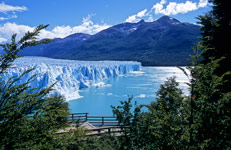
(2, 18)
(142, 13)
(203, 3)
(87, 26)
(132, 19)
(158, 7)
(162, 2)
(137, 17)
(8, 29)
(2, 40)
(167, 8)
(10, 11)
(4, 8)
(8, 17)
(174, 8)
(150, 19)
(141, 96)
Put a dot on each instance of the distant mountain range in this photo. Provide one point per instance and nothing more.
(164, 42)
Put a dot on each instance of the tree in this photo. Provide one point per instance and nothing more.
(216, 30)
(169, 117)
(213, 79)
(28, 118)
(135, 126)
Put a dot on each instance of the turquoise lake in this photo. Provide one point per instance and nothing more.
(142, 85)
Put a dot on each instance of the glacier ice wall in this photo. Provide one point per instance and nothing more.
(70, 75)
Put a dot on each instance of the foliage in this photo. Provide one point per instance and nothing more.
(137, 134)
(215, 44)
(28, 118)
(169, 117)
(213, 79)
(73, 139)
(105, 142)
(76, 139)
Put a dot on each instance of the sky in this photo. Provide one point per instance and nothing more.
(67, 17)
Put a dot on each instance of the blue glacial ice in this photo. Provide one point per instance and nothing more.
(70, 75)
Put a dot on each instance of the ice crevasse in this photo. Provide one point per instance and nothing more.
(71, 75)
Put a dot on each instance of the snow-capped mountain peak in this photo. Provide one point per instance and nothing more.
(168, 20)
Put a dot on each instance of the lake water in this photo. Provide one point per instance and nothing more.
(142, 85)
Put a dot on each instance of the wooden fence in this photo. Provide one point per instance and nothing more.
(94, 120)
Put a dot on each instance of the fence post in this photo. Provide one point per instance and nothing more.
(86, 117)
(102, 120)
(109, 130)
(72, 118)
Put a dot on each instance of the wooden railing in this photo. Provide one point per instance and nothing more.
(94, 120)
(115, 131)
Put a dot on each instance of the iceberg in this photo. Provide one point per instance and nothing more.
(70, 75)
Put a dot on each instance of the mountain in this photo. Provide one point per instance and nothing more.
(164, 42)
(57, 47)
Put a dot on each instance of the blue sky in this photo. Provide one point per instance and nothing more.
(89, 16)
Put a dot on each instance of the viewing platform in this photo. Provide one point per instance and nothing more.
(97, 125)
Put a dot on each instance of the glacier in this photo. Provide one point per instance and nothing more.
(70, 75)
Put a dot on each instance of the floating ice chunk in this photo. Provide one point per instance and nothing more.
(101, 84)
(109, 94)
(137, 72)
